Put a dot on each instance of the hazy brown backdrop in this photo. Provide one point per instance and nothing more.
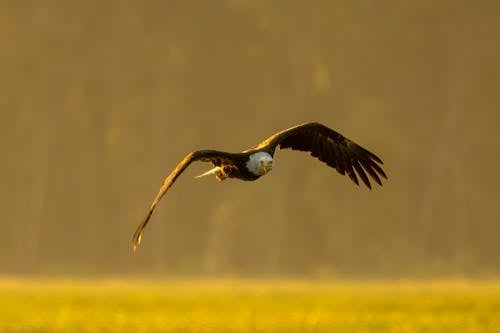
(100, 99)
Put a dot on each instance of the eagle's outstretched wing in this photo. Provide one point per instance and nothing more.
(213, 156)
(330, 147)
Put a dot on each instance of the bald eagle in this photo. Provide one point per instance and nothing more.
(322, 142)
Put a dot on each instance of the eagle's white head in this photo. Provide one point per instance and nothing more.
(260, 163)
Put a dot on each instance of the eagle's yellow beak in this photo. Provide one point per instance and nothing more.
(267, 166)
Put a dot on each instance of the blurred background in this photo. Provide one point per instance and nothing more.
(100, 100)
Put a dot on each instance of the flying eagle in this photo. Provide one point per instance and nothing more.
(322, 142)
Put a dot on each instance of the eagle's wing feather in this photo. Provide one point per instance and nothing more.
(213, 156)
(330, 147)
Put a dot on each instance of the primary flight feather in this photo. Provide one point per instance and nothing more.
(322, 142)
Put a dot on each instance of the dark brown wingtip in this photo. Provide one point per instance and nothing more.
(137, 238)
(136, 241)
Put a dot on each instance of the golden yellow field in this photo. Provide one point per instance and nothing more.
(248, 306)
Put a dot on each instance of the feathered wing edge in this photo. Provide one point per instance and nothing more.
(136, 240)
(199, 155)
(357, 161)
(331, 148)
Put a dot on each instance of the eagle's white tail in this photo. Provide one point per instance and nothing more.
(209, 172)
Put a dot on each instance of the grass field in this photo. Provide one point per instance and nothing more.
(248, 306)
